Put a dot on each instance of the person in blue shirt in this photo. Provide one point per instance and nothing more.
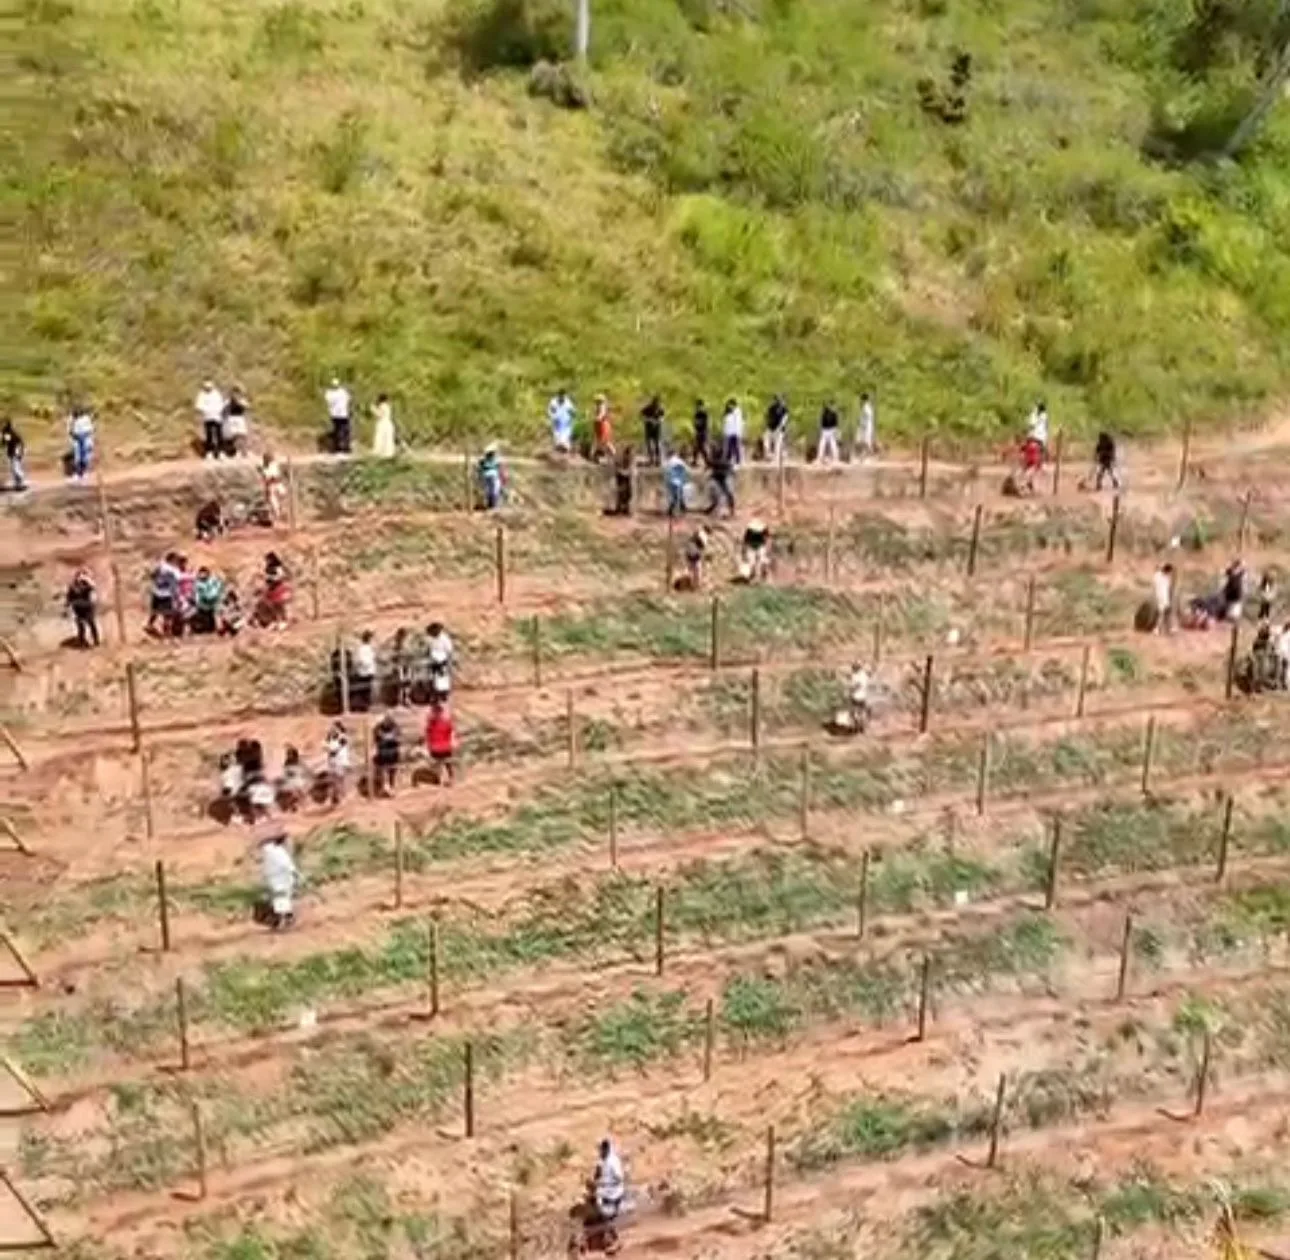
(492, 477)
(560, 411)
(676, 477)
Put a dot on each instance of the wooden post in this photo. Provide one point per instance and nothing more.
(768, 1207)
(12, 744)
(145, 779)
(537, 650)
(29, 978)
(432, 965)
(829, 546)
(181, 1009)
(469, 1089)
(781, 476)
(1099, 1237)
(46, 1237)
(1054, 864)
(293, 498)
(714, 651)
(862, 901)
(983, 773)
(634, 472)
(1126, 948)
(467, 488)
(199, 1143)
(500, 563)
(7, 648)
(925, 709)
(514, 1230)
(1245, 521)
(571, 728)
(613, 826)
(877, 632)
(754, 714)
(163, 909)
(18, 842)
(1224, 839)
(118, 602)
(398, 865)
(1028, 634)
(1148, 751)
(669, 556)
(924, 452)
(658, 930)
(313, 583)
(105, 516)
(975, 541)
(1202, 1077)
(1083, 679)
(1232, 648)
(924, 992)
(996, 1121)
(132, 699)
(342, 656)
(804, 803)
(709, 1036)
(1112, 530)
(1185, 457)
(1057, 461)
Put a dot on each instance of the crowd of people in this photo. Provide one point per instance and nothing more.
(183, 600)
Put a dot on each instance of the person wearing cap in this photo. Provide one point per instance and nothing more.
(492, 477)
(338, 406)
(560, 413)
(602, 431)
(281, 879)
(210, 411)
(754, 564)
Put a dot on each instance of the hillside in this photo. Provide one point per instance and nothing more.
(757, 199)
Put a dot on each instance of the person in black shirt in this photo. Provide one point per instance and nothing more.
(828, 449)
(1267, 593)
(652, 413)
(776, 428)
(623, 483)
(80, 603)
(1233, 590)
(720, 472)
(1104, 461)
(702, 425)
(386, 738)
(754, 563)
(14, 449)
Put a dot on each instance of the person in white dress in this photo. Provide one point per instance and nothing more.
(281, 880)
(384, 443)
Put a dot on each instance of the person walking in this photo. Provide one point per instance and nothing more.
(732, 433)
(81, 600)
(80, 429)
(15, 452)
(210, 413)
(560, 413)
(866, 442)
(702, 433)
(1162, 589)
(721, 472)
(384, 440)
(827, 450)
(676, 479)
(776, 429)
(338, 413)
(602, 431)
(1104, 462)
(652, 415)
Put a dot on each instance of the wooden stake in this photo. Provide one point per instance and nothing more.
(537, 650)
(46, 1238)
(7, 648)
(132, 699)
(714, 633)
(19, 755)
(145, 779)
(754, 714)
(1054, 864)
(1148, 751)
(924, 452)
(571, 726)
(199, 1142)
(293, 498)
(983, 773)
(118, 601)
(709, 1036)
(1083, 679)
(29, 979)
(469, 1089)
(862, 901)
(18, 843)
(105, 516)
(1224, 839)
(669, 556)
(877, 632)
(163, 908)
(1185, 457)
(781, 477)
(500, 564)
(36, 1101)
(1028, 634)
(975, 541)
(1112, 530)
(181, 1011)
(514, 1230)
(342, 655)
(1202, 1077)
(658, 930)
(467, 488)
(313, 584)
(828, 548)
(924, 992)
(925, 708)
(768, 1207)
(804, 804)
(1245, 520)
(1057, 461)
(634, 501)
(996, 1121)
(1232, 648)
(432, 965)
(1099, 1237)
(398, 865)
(1126, 948)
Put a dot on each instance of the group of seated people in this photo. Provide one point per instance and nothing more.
(182, 601)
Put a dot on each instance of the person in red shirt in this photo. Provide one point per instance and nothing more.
(441, 742)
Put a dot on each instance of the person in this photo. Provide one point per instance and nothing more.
(439, 657)
(866, 429)
(1104, 461)
(277, 591)
(702, 431)
(210, 523)
(1032, 460)
(609, 1188)
(1267, 593)
(385, 737)
(363, 669)
(1037, 427)
(236, 424)
(209, 405)
(336, 749)
(15, 451)
(338, 404)
(559, 413)
(1283, 655)
(208, 595)
(492, 477)
(293, 785)
(754, 561)
(732, 433)
(623, 483)
(274, 481)
(858, 695)
(186, 598)
(1162, 590)
(676, 479)
(230, 614)
(827, 451)
(80, 603)
(384, 440)
(164, 596)
(721, 471)
(441, 742)
(230, 785)
(602, 431)
(1233, 590)
(696, 554)
(80, 428)
(401, 666)
(776, 429)
(281, 879)
(652, 415)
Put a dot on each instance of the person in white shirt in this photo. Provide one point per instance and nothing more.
(363, 666)
(338, 404)
(336, 747)
(281, 880)
(210, 410)
(1038, 428)
(609, 1186)
(439, 657)
(274, 481)
(866, 430)
(1162, 589)
(383, 437)
(80, 428)
(560, 412)
(732, 432)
